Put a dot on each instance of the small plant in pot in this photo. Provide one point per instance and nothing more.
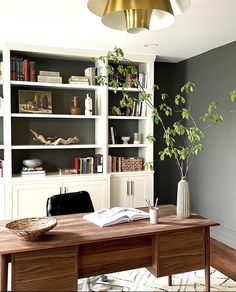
(181, 132)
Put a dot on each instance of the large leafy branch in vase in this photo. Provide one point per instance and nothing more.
(182, 133)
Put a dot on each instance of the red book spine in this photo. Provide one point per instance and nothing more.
(26, 70)
(32, 71)
(76, 164)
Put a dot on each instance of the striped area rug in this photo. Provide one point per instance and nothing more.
(143, 280)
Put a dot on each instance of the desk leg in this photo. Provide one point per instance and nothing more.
(207, 259)
(3, 272)
(170, 280)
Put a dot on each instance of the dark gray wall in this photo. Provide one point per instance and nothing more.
(213, 173)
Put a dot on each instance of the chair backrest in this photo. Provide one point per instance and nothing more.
(69, 203)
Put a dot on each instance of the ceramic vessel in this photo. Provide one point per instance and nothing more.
(34, 162)
(75, 108)
(183, 207)
(125, 139)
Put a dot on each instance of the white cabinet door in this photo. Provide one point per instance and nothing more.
(29, 200)
(131, 191)
(98, 190)
(120, 189)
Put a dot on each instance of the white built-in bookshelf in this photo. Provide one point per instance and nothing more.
(93, 131)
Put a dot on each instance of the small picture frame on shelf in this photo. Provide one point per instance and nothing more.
(37, 102)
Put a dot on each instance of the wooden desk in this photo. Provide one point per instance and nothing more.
(77, 248)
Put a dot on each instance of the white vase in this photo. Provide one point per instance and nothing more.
(183, 199)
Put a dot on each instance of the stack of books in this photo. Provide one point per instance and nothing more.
(32, 171)
(80, 80)
(49, 77)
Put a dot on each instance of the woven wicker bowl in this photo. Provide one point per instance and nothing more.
(31, 228)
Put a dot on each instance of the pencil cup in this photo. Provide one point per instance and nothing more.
(153, 215)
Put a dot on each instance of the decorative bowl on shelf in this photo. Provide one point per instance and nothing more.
(31, 228)
(32, 163)
(125, 139)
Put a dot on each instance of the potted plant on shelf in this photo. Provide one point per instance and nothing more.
(182, 133)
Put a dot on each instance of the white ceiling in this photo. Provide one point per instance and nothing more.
(68, 23)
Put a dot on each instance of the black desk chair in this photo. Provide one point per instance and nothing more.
(72, 203)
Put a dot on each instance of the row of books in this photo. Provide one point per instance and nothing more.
(91, 164)
(22, 69)
(139, 109)
(131, 79)
(124, 164)
(142, 78)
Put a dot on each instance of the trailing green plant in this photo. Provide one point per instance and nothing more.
(182, 134)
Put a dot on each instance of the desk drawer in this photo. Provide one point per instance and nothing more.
(113, 256)
(178, 252)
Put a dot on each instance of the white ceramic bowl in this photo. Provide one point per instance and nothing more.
(34, 162)
(125, 139)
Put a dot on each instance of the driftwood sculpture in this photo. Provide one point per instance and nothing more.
(54, 140)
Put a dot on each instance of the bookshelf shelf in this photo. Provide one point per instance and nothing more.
(1, 146)
(127, 145)
(126, 118)
(129, 89)
(54, 85)
(53, 147)
(55, 116)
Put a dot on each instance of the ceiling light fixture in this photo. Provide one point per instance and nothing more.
(136, 16)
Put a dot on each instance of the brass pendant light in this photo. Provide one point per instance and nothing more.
(136, 16)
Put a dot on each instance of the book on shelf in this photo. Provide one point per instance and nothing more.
(32, 71)
(78, 78)
(116, 215)
(49, 73)
(79, 82)
(50, 79)
(112, 135)
(90, 74)
(31, 173)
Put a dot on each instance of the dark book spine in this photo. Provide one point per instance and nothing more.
(32, 71)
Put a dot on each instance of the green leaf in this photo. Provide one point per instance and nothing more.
(197, 148)
(164, 96)
(151, 138)
(188, 87)
(232, 95)
(212, 105)
(185, 114)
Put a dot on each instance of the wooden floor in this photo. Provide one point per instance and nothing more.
(223, 258)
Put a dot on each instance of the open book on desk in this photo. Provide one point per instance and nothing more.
(116, 215)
